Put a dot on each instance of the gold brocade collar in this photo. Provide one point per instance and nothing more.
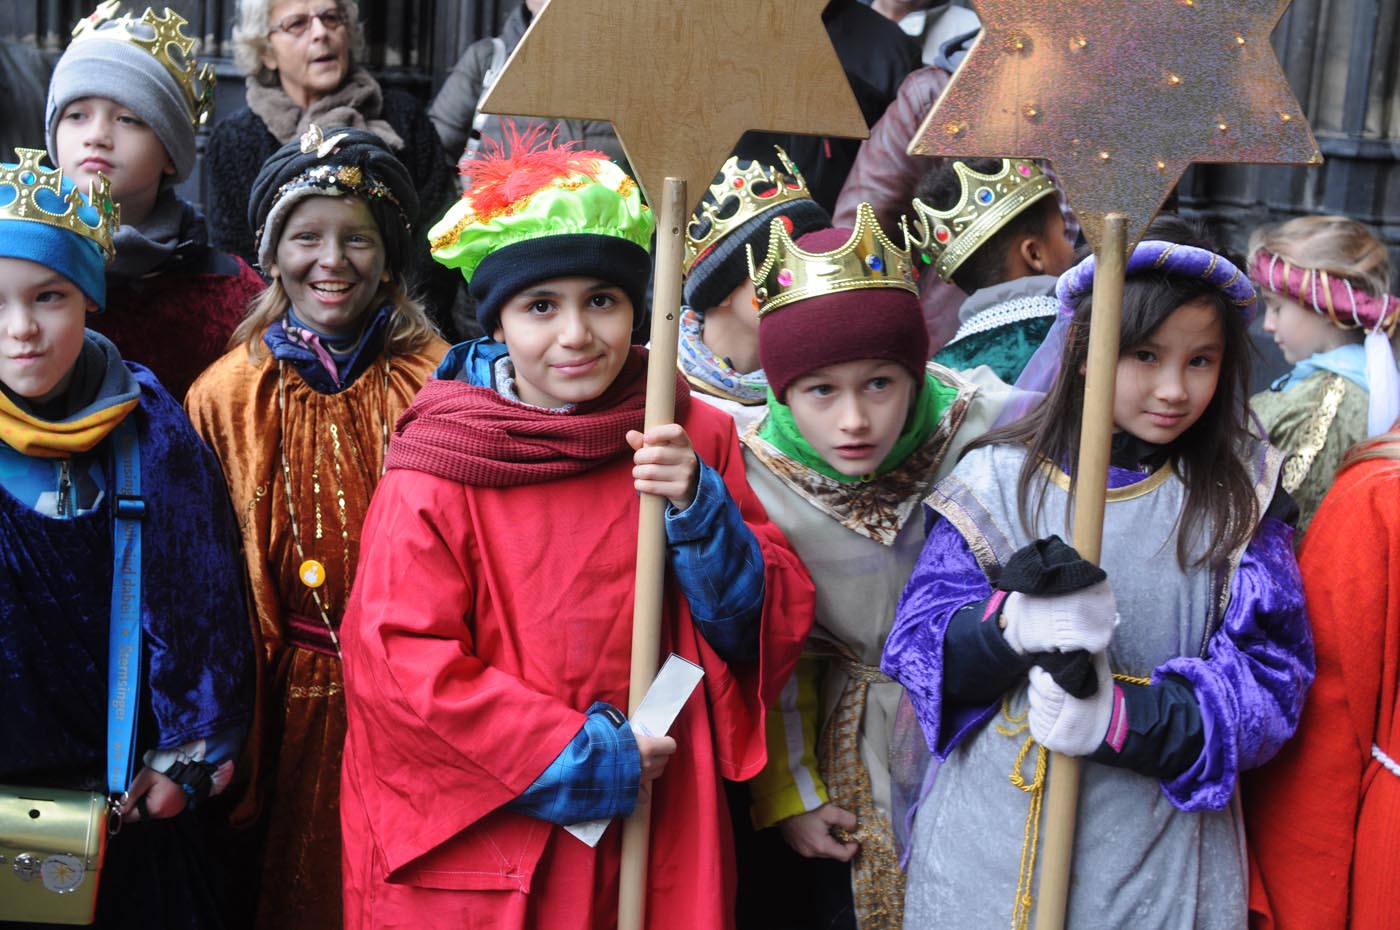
(1125, 492)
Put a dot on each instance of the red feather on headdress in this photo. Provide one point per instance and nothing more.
(501, 175)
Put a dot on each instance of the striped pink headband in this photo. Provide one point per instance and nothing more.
(1332, 296)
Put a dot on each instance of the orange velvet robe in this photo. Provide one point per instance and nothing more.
(1324, 816)
(334, 446)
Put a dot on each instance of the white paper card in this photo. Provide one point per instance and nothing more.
(669, 691)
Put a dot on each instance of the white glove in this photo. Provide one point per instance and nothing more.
(1082, 619)
(1063, 723)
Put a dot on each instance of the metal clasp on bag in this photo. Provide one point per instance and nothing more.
(27, 866)
(115, 803)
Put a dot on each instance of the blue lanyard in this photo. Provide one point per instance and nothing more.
(124, 657)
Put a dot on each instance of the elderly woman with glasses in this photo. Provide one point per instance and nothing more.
(300, 58)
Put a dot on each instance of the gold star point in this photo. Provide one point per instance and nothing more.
(681, 82)
(1121, 104)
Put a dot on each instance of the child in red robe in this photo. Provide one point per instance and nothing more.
(488, 639)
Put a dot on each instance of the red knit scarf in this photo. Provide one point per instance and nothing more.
(474, 435)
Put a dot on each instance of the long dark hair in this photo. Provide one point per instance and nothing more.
(1220, 496)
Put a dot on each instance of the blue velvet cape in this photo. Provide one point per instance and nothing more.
(55, 610)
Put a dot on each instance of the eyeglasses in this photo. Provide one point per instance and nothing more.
(298, 23)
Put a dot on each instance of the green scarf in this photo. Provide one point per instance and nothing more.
(780, 429)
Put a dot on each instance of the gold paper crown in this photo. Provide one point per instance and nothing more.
(736, 196)
(29, 179)
(867, 260)
(197, 84)
(946, 239)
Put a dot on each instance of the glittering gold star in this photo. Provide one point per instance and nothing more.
(1121, 100)
(681, 81)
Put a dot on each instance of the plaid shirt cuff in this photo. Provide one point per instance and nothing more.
(596, 777)
(719, 567)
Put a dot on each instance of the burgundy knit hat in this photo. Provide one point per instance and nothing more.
(841, 326)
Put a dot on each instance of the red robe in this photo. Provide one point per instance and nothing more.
(483, 622)
(1323, 816)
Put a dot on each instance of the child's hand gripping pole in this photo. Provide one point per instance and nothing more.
(651, 532)
(1090, 487)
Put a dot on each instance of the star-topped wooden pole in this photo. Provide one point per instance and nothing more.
(1119, 101)
(680, 82)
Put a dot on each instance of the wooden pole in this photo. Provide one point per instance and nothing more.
(651, 531)
(1091, 485)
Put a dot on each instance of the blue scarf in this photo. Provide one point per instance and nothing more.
(1348, 360)
(329, 367)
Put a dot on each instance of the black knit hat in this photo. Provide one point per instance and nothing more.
(344, 162)
(512, 268)
(725, 266)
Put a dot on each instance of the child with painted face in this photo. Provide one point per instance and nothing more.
(1325, 282)
(487, 645)
(299, 412)
(1177, 663)
(858, 427)
(70, 410)
(126, 100)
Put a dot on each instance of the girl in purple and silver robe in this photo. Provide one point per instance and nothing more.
(1179, 661)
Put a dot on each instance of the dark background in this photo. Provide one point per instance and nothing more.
(1341, 57)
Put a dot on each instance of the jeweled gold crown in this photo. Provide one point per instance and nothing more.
(867, 260)
(197, 84)
(736, 196)
(39, 199)
(945, 239)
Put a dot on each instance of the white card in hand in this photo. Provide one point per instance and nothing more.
(669, 691)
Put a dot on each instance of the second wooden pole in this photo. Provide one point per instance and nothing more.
(1090, 490)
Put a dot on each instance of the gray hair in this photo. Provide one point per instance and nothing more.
(250, 39)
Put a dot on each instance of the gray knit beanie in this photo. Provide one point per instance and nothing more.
(102, 62)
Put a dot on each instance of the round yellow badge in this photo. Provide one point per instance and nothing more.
(312, 573)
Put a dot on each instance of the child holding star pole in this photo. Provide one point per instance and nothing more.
(485, 702)
(1007, 640)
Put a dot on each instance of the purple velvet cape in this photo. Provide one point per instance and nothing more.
(1250, 684)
